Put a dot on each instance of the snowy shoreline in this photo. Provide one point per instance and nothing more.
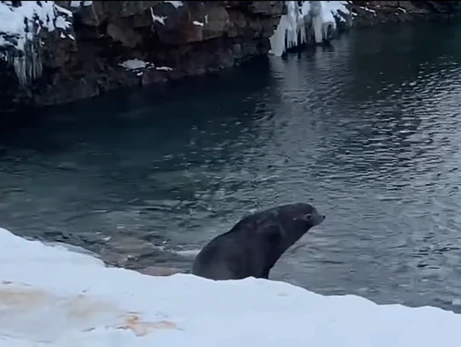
(50, 296)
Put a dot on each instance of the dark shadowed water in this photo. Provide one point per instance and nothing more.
(369, 130)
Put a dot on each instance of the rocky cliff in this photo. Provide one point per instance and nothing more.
(72, 50)
(112, 44)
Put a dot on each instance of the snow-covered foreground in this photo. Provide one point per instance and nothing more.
(50, 296)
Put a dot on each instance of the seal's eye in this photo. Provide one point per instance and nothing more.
(305, 217)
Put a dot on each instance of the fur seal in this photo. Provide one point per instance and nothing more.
(253, 246)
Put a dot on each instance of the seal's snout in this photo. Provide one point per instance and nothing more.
(317, 218)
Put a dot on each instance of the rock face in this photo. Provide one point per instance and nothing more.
(97, 46)
(155, 41)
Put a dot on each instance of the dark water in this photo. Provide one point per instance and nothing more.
(368, 130)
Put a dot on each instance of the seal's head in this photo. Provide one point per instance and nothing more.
(300, 216)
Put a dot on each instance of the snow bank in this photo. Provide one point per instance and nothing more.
(19, 29)
(51, 297)
(292, 28)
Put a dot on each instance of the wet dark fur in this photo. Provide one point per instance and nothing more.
(253, 246)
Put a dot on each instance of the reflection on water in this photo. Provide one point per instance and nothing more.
(368, 130)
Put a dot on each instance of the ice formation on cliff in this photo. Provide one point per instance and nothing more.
(20, 26)
(292, 28)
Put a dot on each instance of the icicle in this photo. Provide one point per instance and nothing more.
(292, 30)
(288, 34)
(277, 40)
(317, 23)
(19, 38)
(27, 64)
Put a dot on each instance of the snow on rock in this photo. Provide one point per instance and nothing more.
(139, 66)
(161, 19)
(292, 28)
(19, 29)
(51, 297)
(176, 4)
(155, 18)
(370, 10)
(196, 22)
(78, 4)
(163, 68)
(135, 64)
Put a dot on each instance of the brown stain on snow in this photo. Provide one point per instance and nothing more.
(17, 300)
(84, 307)
(20, 299)
(140, 328)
